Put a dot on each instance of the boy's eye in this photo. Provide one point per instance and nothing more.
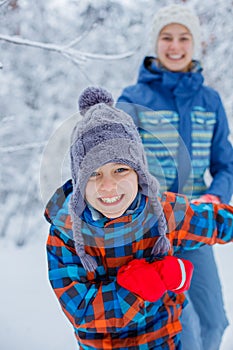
(121, 170)
(94, 174)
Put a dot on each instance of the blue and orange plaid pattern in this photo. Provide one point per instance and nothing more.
(105, 315)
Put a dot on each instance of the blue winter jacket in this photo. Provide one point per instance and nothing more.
(184, 129)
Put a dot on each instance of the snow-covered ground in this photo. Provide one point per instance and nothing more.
(30, 315)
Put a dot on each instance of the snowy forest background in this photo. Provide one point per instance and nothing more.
(50, 51)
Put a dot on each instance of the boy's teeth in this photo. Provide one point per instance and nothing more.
(111, 200)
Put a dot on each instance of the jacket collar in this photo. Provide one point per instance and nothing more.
(95, 218)
(179, 82)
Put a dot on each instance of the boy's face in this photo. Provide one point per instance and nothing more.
(175, 47)
(111, 189)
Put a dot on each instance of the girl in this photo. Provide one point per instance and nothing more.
(185, 132)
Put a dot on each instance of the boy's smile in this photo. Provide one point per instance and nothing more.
(112, 188)
(111, 200)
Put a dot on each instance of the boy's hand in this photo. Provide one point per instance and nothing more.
(151, 280)
(140, 277)
(175, 273)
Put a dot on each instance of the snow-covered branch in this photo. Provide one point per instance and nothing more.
(81, 37)
(4, 2)
(16, 148)
(67, 50)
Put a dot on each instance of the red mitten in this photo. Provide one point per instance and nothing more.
(140, 277)
(207, 198)
(176, 273)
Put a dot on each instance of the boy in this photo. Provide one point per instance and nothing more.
(111, 242)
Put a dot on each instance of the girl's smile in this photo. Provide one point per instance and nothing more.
(175, 47)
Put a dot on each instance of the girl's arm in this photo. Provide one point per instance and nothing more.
(221, 158)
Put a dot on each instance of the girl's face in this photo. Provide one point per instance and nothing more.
(111, 189)
(175, 47)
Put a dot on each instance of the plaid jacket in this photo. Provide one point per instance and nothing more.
(103, 314)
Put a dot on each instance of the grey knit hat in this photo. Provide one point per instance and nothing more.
(177, 14)
(106, 134)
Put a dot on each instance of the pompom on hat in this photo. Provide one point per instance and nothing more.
(107, 135)
(177, 14)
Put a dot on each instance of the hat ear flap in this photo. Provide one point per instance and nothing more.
(162, 244)
(87, 261)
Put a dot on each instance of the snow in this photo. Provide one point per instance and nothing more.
(31, 317)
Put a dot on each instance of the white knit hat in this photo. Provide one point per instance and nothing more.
(181, 15)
